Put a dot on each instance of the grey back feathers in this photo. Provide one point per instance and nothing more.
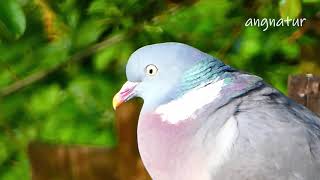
(277, 138)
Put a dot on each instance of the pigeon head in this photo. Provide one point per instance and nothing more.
(157, 73)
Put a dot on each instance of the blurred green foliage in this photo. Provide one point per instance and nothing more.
(61, 61)
(290, 8)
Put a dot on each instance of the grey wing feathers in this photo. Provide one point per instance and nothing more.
(278, 139)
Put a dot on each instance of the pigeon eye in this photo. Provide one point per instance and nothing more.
(151, 70)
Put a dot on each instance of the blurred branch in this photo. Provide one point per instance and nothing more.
(16, 86)
(37, 76)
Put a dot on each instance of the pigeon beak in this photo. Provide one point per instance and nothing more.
(126, 93)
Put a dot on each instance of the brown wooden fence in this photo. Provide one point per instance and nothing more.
(56, 162)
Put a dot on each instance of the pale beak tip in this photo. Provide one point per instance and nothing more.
(115, 101)
(125, 93)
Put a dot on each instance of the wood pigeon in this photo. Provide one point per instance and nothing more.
(204, 120)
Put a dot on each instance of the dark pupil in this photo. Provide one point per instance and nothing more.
(150, 71)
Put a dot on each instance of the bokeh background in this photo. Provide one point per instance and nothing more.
(61, 61)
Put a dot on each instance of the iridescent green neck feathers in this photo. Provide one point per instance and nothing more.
(206, 71)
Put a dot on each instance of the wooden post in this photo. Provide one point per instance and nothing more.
(130, 166)
(305, 89)
(53, 162)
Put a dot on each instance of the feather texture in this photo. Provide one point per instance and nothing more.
(245, 134)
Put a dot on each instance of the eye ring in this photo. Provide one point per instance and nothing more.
(151, 70)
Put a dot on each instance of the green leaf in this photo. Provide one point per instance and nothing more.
(12, 19)
(88, 32)
(104, 57)
(290, 50)
(290, 8)
(120, 52)
(45, 100)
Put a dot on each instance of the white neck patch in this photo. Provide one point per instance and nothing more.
(184, 107)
